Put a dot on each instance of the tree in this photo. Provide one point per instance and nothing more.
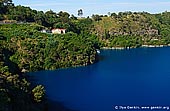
(63, 17)
(40, 18)
(4, 4)
(50, 17)
(113, 15)
(80, 12)
(73, 17)
(38, 93)
(109, 14)
(96, 17)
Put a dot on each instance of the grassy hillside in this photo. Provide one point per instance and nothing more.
(149, 28)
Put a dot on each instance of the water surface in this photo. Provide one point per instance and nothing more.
(136, 77)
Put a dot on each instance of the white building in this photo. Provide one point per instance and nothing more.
(58, 31)
(43, 31)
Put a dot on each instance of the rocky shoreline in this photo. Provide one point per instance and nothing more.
(147, 46)
(155, 45)
(118, 48)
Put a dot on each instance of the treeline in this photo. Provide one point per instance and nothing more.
(16, 94)
(150, 28)
(33, 50)
(24, 48)
(123, 27)
(49, 19)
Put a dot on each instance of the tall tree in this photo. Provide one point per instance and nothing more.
(4, 4)
(80, 12)
(96, 17)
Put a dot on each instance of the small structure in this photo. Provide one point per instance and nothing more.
(58, 31)
(24, 70)
(98, 51)
(45, 31)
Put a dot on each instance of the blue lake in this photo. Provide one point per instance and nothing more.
(136, 77)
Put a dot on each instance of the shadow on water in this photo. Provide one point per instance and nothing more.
(57, 106)
(127, 77)
(50, 105)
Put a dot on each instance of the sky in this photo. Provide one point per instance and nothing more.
(90, 7)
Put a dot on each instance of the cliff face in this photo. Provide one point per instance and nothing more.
(127, 29)
(137, 24)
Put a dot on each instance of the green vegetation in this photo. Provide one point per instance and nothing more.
(32, 50)
(15, 91)
(23, 48)
(124, 41)
(38, 93)
(132, 29)
(111, 29)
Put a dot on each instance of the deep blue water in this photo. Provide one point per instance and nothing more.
(136, 77)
